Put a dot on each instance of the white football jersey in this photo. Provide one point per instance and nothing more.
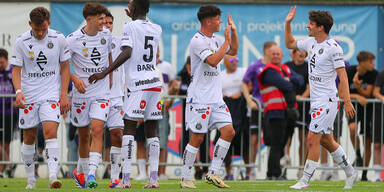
(89, 56)
(143, 37)
(168, 74)
(40, 62)
(324, 58)
(205, 87)
(118, 81)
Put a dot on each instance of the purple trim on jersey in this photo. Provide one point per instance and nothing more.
(337, 78)
(6, 87)
(251, 75)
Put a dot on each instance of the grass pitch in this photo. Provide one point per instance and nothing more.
(17, 184)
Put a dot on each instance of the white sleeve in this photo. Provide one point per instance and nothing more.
(201, 49)
(69, 44)
(64, 49)
(17, 58)
(337, 56)
(127, 36)
(303, 45)
(109, 42)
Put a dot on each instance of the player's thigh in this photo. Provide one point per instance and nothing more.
(134, 105)
(80, 112)
(323, 115)
(153, 108)
(220, 116)
(99, 109)
(29, 117)
(115, 117)
(197, 117)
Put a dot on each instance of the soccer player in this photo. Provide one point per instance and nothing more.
(40, 68)
(115, 122)
(325, 63)
(205, 106)
(140, 37)
(90, 48)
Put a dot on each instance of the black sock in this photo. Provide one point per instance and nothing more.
(358, 154)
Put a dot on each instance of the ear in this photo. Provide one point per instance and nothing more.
(30, 23)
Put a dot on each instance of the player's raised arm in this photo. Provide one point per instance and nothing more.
(214, 59)
(124, 55)
(290, 41)
(234, 44)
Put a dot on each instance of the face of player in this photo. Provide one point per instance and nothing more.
(214, 23)
(299, 57)
(96, 21)
(3, 63)
(276, 55)
(39, 31)
(108, 23)
(231, 62)
(313, 29)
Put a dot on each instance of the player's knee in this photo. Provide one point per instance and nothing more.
(116, 137)
(97, 133)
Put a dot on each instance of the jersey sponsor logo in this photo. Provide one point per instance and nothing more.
(312, 62)
(157, 113)
(95, 56)
(143, 104)
(41, 59)
(138, 111)
(314, 78)
(147, 81)
(158, 105)
(42, 74)
(211, 73)
(147, 67)
(93, 70)
(200, 110)
(85, 52)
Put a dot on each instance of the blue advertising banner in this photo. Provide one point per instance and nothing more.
(355, 27)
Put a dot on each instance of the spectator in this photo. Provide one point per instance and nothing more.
(361, 80)
(250, 80)
(300, 66)
(9, 117)
(232, 79)
(277, 82)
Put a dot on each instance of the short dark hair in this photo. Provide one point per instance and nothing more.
(93, 9)
(4, 53)
(322, 18)
(365, 56)
(207, 11)
(38, 15)
(108, 14)
(268, 44)
(142, 6)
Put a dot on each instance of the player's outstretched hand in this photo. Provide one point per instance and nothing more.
(231, 23)
(64, 104)
(349, 110)
(20, 99)
(95, 77)
(291, 14)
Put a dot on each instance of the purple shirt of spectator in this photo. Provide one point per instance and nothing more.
(251, 75)
(337, 78)
(6, 87)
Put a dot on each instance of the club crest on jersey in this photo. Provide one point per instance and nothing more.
(50, 45)
(321, 51)
(22, 121)
(31, 55)
(103, 41)
(198, 126)
(113, 46)
(85, 52)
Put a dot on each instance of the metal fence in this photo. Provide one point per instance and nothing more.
(177, 139)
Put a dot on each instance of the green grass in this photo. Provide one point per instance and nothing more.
(18, 184)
